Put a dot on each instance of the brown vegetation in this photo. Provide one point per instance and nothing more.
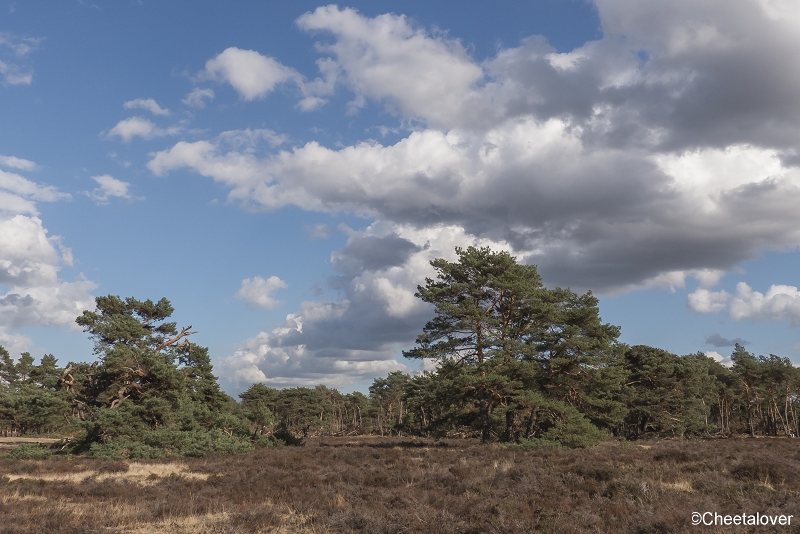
(395, 485)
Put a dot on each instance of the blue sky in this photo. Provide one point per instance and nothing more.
(284, 172)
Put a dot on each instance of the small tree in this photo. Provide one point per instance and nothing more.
(150, 385)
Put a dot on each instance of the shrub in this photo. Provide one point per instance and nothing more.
(574, 431)
(29, 452)
(287, 438)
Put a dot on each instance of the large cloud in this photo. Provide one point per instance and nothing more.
(31, 292)
(360, 336)
(664, 151)
(722, 69)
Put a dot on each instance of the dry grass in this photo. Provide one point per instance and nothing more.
(141, 473)
(396, 486)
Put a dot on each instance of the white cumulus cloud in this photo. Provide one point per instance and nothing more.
(18, 185)
(109, 187)
(29, 264)
(778, 303)
(251, 74)
(127, 129)
(385, 58)
(706, 301)
(32, 292)
(257, 292)
(17, 163)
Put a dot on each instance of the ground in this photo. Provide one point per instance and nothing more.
(399, 485)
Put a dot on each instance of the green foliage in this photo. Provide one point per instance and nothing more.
(388, 404)
(573, 430)
(509, 337)
(666, 392)
(152, 392)
(166, 442)
(29, 452)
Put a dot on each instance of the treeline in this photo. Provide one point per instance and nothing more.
(515, 362)
(519, 362)
(663, 395)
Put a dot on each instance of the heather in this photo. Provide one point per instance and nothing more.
(395, 485)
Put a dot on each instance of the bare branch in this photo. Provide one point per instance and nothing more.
(168, 343)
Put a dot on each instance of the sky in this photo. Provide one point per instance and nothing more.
(284, 172)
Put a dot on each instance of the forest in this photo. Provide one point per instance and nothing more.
(516, 362)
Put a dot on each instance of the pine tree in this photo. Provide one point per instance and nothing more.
(511, 336)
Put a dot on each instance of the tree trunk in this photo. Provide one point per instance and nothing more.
(484, 417)
(511, 423)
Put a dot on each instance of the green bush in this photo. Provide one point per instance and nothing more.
(573, 430)
(123, 449)
(171, 443)
(264, 442)
(29, 452)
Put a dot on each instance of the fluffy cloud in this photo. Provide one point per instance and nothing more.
(706, 301)
(666, 150)
(385, 58)
(248, 72)
(146, 104)
(779, 303)
(127, 129)
(31, 292)
(56, 304)
(17, 163)
(15, 186)
(633, 219)
(109, 187)
(29, 266)
(257, 292)
(14, 343)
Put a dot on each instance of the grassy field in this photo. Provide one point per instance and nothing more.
(397, 485)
